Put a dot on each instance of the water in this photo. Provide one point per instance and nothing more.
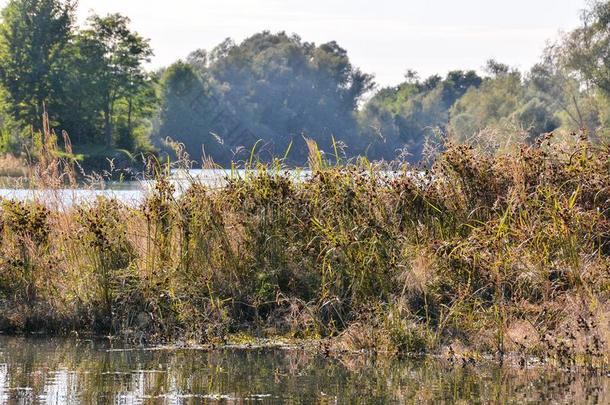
(57, 371)
(130, 192)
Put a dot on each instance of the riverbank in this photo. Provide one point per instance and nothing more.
(498, 254)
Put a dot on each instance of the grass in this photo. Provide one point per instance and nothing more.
(504, 254)
(11, 167)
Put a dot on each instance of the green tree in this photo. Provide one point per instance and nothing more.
(115, 58)
(561, 89)
(82, 102)
(186, 111)
(587, 49)
(33, 37)
(401, 118)
(506, 104)
(272, 87)
(575, 73)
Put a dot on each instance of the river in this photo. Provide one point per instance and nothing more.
(58, 371)
(130, 192)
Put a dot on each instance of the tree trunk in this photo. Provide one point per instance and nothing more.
(129, 110)
(107, 126)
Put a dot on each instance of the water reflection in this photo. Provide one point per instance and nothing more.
(55, 371)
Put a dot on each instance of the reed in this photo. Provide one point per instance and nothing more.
(494, 252)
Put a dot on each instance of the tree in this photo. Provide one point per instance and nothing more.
(272, 87)
(559, 88)
(187, 108)
(575, 73)
(402, 117)
(587, 49)
(115, 57)
(33, 37)
(495, 68)
(504, 103)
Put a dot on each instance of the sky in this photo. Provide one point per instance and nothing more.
(383, 37)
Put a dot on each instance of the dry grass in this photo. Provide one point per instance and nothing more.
(11, 166)
(499, 252)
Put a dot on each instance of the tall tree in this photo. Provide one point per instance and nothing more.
(116, 57)
(402, 117)
(506, 105)
(33, 37)
(187, 110)
(587, 48)
(270, 87)
(574, 74)
(559, 88)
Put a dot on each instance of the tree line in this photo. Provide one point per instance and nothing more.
(273, 91)
(90, 81)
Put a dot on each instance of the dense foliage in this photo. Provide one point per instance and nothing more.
(274, 92)
(271, 87)
(498, 252)
(404, 116)
(91, 81)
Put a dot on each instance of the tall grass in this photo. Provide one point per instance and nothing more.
(498, 253)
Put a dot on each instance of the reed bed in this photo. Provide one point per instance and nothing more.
(479, 252)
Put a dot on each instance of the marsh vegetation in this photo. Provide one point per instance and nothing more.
(495, 244)
(498, 253)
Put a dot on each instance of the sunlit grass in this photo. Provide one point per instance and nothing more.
(498, 253)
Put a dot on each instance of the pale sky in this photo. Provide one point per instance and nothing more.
(384, 37)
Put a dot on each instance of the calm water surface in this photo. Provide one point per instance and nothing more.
(58, 371)
(130, 192)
